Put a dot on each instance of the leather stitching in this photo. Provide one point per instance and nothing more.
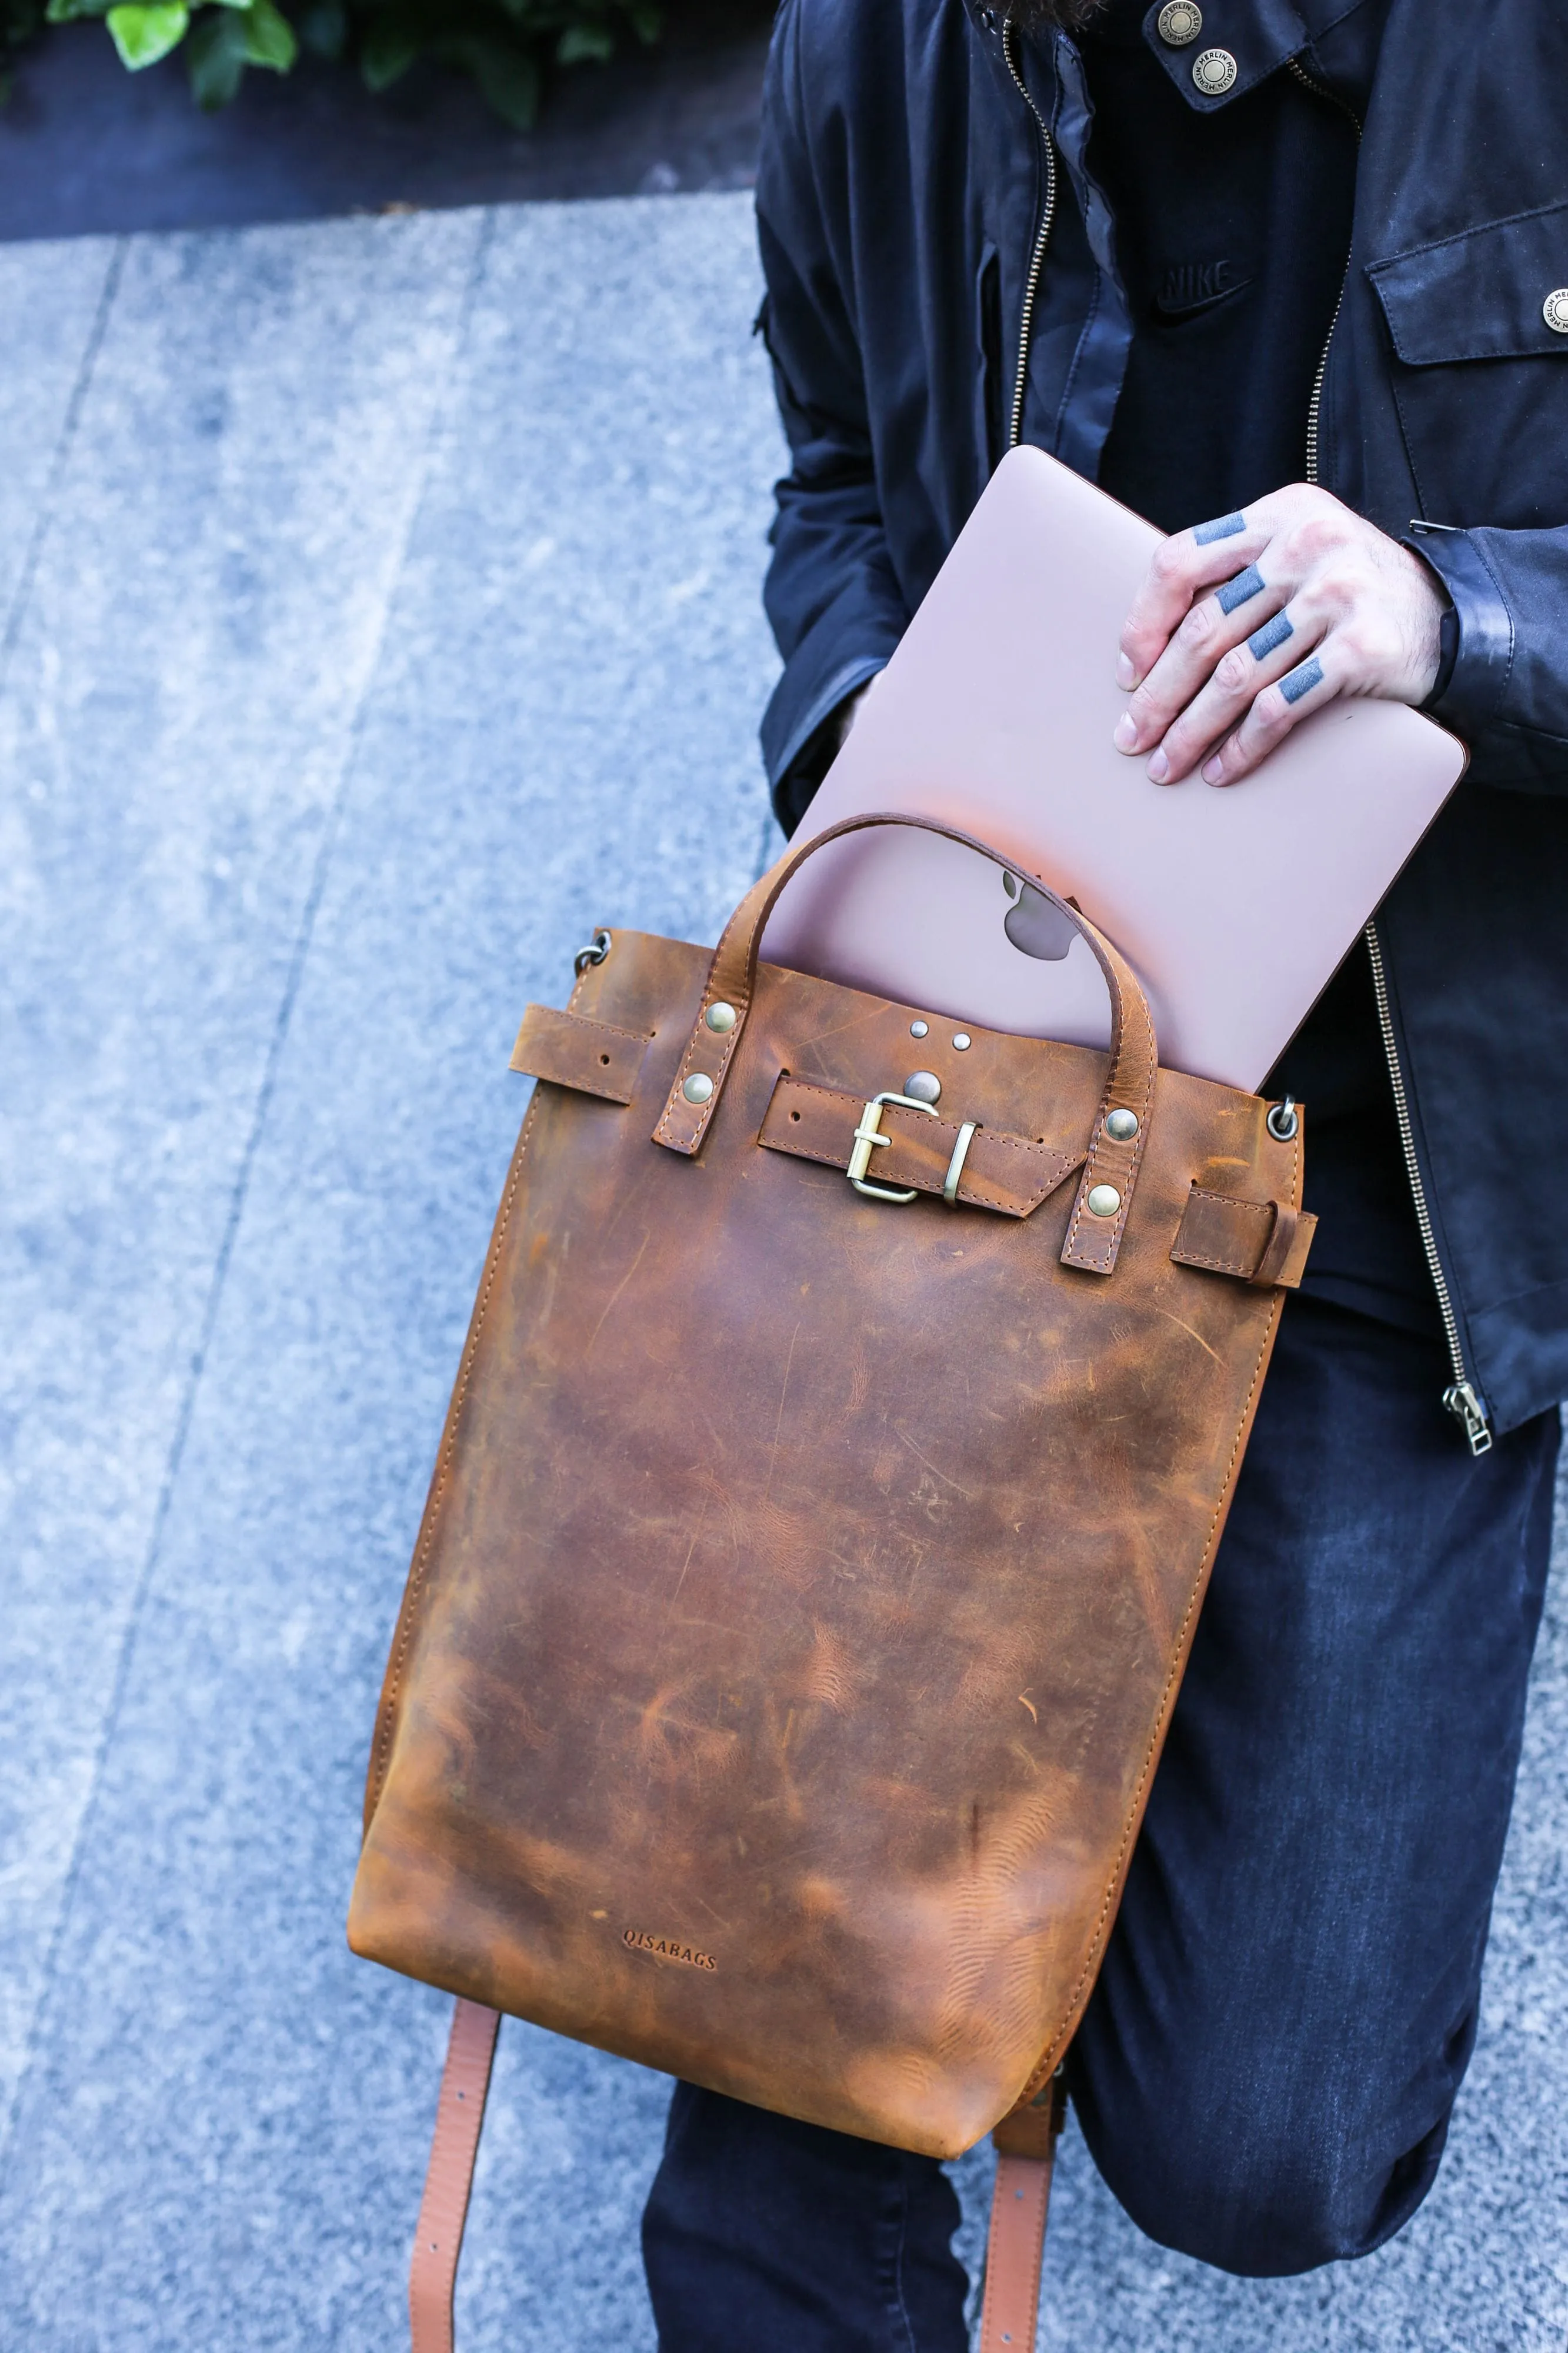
(1043, 2073)
(663, 1132)
(414, 1601)
(414, 1598)
(583, 1021)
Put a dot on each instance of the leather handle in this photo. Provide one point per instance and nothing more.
(444, 2210)
(1092, 1242)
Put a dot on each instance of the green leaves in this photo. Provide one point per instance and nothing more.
(144, 35)
(268, 37)
(502, 45)
(581, 42)
(235, 34)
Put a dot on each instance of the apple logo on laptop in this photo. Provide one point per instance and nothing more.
(1034, 925)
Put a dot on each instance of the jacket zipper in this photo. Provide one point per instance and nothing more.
(1042, 239)
(1461, 1397)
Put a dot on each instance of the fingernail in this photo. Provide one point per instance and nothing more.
(1159, 769)
(1214, 770)
(1126, 676)
(1126, 736)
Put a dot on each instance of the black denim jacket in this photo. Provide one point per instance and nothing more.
(900, 197)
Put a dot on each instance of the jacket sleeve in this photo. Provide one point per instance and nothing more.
(832, 595)
(1507, 693)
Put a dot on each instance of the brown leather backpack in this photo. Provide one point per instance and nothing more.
(815, 1549)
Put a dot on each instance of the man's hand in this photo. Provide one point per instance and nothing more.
(1247, 625)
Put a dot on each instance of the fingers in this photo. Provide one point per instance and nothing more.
(1248, 624)
(1274, 713)
(1203, 674)
(1182, 569)
(1275, 647)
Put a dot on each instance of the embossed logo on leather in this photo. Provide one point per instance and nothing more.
(667, 1949)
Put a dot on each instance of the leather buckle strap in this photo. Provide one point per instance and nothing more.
(593, 1057)
(965, 1164)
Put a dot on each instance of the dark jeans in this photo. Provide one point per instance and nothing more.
(1289, 2002)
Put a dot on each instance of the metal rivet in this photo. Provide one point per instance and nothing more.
(1282, 1122)
(964, 1041)
(1554, 310)
(1214, 72)
(1122, 1127)
(1104, 1201)
(699, 1088)
(1179, 22)
(721, 1016)
(923, 1086)
(919, 1029)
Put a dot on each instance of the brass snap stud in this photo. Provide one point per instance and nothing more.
(722, 1018)
(1554, 310)
(1179, 22)
(919, 1029)
(923, 1086)
(699, 1088)
(1122, 1127)
(964, 1041)
(1214, 72)
(1104, 1200)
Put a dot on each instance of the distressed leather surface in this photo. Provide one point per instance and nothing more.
(805, 1581)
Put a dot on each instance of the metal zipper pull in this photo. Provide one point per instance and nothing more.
(1471, 1414)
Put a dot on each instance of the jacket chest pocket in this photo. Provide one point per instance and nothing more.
(1480, 329)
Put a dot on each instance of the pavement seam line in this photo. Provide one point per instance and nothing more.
(21, 596)
(434, 443)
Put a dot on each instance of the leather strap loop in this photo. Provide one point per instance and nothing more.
(1265, 1243)
(444, 2210)
(1092, 1242)
(1277, 1253)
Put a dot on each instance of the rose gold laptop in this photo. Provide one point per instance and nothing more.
(1234, 906)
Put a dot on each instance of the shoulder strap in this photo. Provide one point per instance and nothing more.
(1026, 2157)
(459, 2114)
(1019, 2202)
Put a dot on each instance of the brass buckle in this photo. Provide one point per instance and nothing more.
(869, 1135)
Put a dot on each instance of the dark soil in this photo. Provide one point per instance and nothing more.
(85, 146)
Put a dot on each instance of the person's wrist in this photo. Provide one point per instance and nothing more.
(1476, 635)
(1434, 610)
